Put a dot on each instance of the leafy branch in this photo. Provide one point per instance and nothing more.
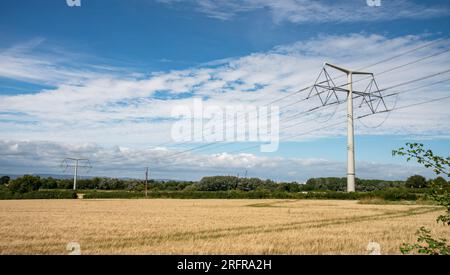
(416, 151)
(439, 193)
(427, 244)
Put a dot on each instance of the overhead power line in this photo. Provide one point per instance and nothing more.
(328, 126)
(332, 125)
(368, 66)
(368, 97)
(309, 111)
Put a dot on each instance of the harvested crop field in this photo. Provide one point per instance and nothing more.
(170, 226)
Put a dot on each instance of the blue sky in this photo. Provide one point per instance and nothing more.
(100, 81)
(155, 36)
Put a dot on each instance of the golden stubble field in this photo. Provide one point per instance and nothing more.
(172, 226)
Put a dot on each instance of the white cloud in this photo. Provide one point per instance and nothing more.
(312, 11)
(115, 110)
(46, 157)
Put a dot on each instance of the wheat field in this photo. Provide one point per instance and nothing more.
(171, 226)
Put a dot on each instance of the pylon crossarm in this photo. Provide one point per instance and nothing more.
(366, 115)
(368, 90)
(329, 95)
(329, 79)
(362, 73)
(379, 92)
(335, 95)
(318, 93)
(76, 159)
(365, 94)
(337, 68)
(80, 166)
(310, 91)
(331, 89)
(321, 82)
(368, 103)
(324, 84)
(316, 83)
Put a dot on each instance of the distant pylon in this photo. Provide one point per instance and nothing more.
(65, 164)
(146, 181)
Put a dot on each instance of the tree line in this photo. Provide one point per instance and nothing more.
(30, 183)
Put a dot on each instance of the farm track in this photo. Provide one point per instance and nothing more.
(237, 231)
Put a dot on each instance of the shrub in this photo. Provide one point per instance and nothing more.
(113, 195)
(395, 195)
(50, 195)
(231, 194)
(333, 195)
(49, 183)
(340, 184)
(416, 181)
(8, 195)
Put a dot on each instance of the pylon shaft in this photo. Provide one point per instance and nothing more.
(146, 181)
(350, 138)
(75, 174)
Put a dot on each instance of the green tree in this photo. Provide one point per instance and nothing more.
(4, 180)
(416, 181)
(426, 244)
(25, 184)
(440, 181)
(218, 183)
(49, 183)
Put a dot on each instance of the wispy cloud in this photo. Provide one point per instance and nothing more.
(36, 61)
(108, 107)
(312, 11)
